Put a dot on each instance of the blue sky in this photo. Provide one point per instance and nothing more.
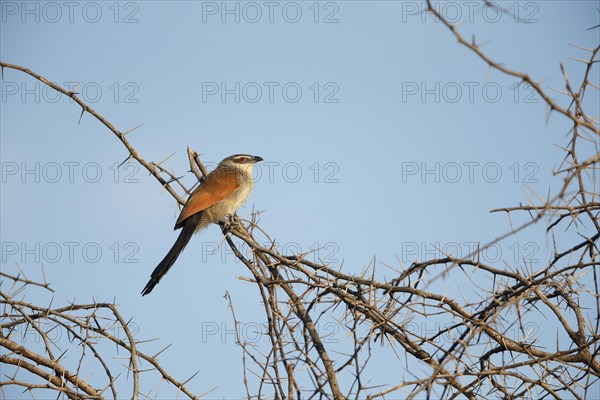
(350, 103)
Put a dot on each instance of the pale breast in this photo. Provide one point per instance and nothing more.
(239, 196)
(219, 211)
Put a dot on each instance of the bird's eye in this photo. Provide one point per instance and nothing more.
(242, 159)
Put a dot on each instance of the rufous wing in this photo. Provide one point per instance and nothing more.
(217, 186)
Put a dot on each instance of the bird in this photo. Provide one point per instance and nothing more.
(223, 191)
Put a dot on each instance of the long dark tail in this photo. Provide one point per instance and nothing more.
(184, 237)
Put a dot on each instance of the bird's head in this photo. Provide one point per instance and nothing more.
(241, 160)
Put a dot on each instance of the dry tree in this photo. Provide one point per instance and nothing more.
(484, 346)
(76, 350)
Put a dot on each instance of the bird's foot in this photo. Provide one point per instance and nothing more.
(234, 220)
(230, 223)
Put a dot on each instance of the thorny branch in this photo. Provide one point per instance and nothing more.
(89, 328)
(485, 345)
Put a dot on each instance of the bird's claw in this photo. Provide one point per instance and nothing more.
(231, 222)
(234, 220)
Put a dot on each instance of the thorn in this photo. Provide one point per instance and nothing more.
(172, 154)
(124, 161)
(157, 354)
(174, 180)
(581, 47)
(133, 129)
(548, 115)
(191, 377)
(578, 59)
